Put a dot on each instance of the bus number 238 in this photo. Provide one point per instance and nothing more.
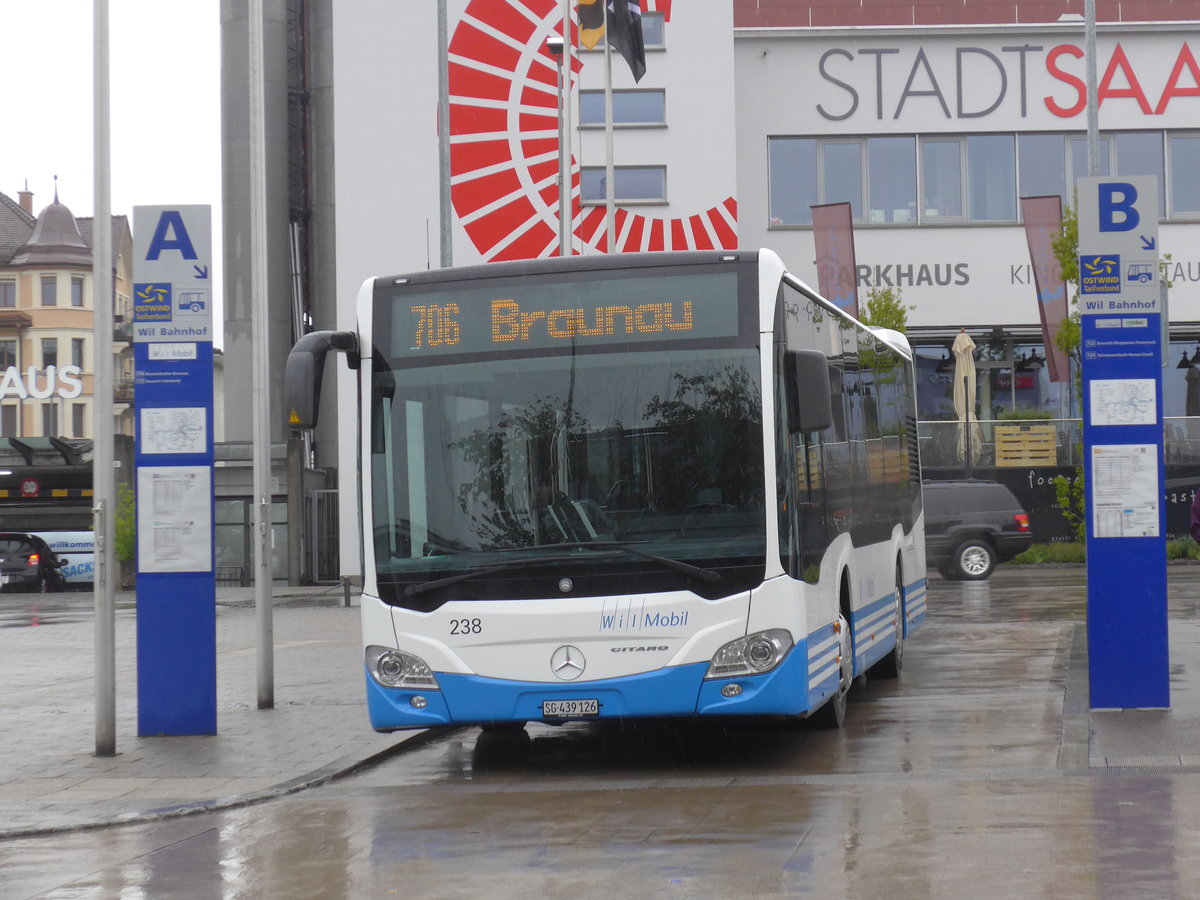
(466, 626)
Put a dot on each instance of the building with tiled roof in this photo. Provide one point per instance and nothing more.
(47, 322)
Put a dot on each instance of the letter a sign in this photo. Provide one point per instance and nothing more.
(172, 273)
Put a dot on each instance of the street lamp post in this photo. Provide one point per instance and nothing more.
(557, 48)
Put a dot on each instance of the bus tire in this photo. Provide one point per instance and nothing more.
(831, 715)
(890, 665)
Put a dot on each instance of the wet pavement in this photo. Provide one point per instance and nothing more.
(981, 773)
(50, 778)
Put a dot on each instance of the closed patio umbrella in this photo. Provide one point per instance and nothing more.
(964, 398)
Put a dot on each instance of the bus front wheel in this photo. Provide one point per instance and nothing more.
(833, 713)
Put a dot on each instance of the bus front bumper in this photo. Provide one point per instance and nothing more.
(673, 691)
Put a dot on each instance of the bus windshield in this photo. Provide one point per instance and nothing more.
(588, 474)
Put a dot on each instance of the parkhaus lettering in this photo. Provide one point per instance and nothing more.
(978, 80)
(914, 275)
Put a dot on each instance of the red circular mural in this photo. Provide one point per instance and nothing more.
(504, 145)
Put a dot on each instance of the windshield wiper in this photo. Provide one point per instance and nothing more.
(710, 575)
(424, 587)
(414, 590)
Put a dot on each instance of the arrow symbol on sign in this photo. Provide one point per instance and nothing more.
(202, 271)
(1147, 242)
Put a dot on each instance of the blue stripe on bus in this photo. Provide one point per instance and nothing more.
(916, 595)
(823, 666)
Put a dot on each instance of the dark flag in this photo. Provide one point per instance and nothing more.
(625, 32)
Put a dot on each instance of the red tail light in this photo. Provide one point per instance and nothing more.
(33, 559)
(1022, 520)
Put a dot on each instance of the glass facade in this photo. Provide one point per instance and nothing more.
(971, 179)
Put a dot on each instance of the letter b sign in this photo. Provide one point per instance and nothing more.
(1117, 211)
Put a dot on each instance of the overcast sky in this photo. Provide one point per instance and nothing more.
(164, 59)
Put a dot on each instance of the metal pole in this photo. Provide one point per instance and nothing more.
(261, 371)
(443, 117)
(968, 402)
(565, 147)
(103, 479)
(609, 168)
(1093, 104)
(564, 214)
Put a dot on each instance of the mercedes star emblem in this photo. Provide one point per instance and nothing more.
(567, 662)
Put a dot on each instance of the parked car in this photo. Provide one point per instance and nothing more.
(972, 525)
(28, 564)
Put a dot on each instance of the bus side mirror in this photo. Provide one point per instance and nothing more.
(303, 373)
(809, 406)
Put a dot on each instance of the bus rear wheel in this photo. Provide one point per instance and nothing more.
(890, 665)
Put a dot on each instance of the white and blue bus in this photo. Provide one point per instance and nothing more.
(670, 484)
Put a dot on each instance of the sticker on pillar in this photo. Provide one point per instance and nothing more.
(173, 430)
(1100, 274)
(174, 527)
(152, 302)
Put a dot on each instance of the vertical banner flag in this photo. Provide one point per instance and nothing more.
(591, 22)
(837, 273)
(624, 21)
(1043, 222)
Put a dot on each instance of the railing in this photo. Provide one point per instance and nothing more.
(123, 390)
(942, 442)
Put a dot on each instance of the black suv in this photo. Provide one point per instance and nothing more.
(972, 525)
(28, 564)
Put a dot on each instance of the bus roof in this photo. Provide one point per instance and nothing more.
(518, 268)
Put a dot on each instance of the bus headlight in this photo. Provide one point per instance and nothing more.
(751, 655)
(397, 669)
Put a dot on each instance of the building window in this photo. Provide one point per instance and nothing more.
(77, 353)
(629, 107)
(653, 33)
(8, 354)
(49, 419)
(49, 352)
(991, 178)
(76, 290)
(1185, 162)
(941, 171)
(49, 290)
(793, 180)
(1079, 156)
(653, 29)
(1043, 165)
(842, 167)
(8, 292)
(8, 420)
(78, 417)
(1141, 153)
(633, 184)
(892, 179)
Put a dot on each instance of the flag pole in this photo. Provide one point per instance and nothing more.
(610, 189)
(566, 207)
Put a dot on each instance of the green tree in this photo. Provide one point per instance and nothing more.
(1069, 492)
(125, 525)
(885, 309)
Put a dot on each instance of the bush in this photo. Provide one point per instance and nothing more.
(1059, 552)
(1183, 548)
(1006, 415)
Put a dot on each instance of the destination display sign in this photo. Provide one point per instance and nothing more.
(541, 315)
